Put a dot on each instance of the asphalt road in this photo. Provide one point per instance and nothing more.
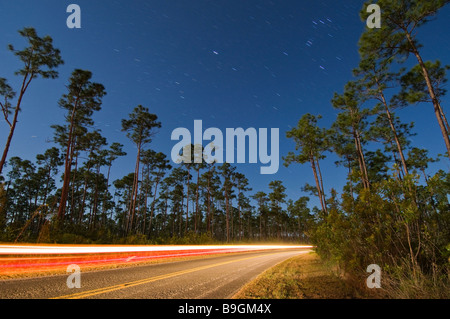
(208, 278)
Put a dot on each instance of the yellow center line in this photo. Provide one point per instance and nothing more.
(99, 291)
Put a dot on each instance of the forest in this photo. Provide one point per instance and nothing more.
(393, 211)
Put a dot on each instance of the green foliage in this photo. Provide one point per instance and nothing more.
(7, 94)
(398, 224)
(401, 19)
(398, 220)
(40, 58)
(141, 125)
(414, 88)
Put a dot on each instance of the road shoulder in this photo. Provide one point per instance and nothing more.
(301, 277)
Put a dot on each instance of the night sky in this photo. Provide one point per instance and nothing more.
(230, 63)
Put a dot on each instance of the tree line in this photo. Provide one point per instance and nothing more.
(66, 195)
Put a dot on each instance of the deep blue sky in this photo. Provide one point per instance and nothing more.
(230, 63)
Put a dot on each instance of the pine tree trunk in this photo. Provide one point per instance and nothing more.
(187, 200)
(361, 159)
(196, 201)
(394, 131)
(437, 107)
(208, 227)
(8, 141)
(321, 185)
(74, 175)
(153, 206)
(135, 189)
(131, 206)
(319, 190)
(25, 83)
(228, 216)
(67, 166)
(106, 191)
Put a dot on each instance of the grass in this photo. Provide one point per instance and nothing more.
(301, 277)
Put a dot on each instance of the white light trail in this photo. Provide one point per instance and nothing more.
(62, 250)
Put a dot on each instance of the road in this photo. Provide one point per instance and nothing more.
(218, 277)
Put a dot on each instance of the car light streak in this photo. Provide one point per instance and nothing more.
(15, 259)
(33, 250)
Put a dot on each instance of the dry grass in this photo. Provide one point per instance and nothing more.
(422, 287)
(302, 277)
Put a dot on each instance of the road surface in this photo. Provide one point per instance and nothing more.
(217, 277)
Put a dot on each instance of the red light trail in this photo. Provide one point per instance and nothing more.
(19, 259)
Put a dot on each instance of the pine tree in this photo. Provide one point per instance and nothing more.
(140, 128)
(210, 181)
(262, 200)
(375, 80)
(227, 172)
(242, 187)
(40, 59)
(352, 122)
(156, 165)
(414, 87)
(398, 38)
(299, 210)
(311, 142)
(50, 162)
(82, 100)
(277, 197)
(381, 132)
(114, 152)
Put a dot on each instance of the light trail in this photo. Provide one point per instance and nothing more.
(15, 259)
(62, 250)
